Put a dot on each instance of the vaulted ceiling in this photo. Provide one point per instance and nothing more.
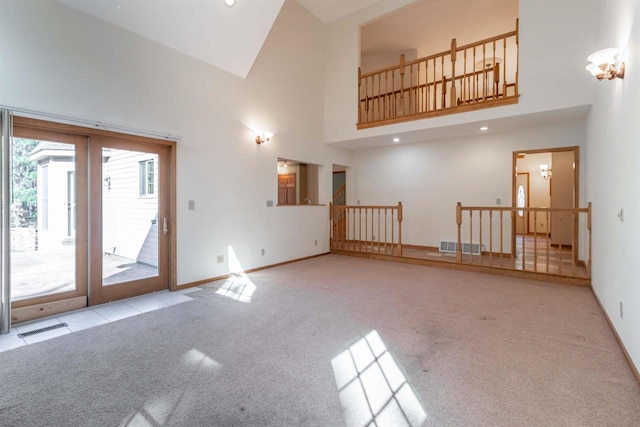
(228, 37)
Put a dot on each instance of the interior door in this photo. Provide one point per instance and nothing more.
(130, 219)
(48, 272)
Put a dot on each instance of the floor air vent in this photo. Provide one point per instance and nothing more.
(451, 247)
(39, 331)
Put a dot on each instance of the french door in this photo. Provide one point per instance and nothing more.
(91, 217)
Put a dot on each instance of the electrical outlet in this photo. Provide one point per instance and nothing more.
(621, 312)
(358, 201)
(192, 205)
(498, 201)
(220, 259)
(316, 243)
(261, 251)
(269, 203)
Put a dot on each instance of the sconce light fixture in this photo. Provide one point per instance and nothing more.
(263, 136)
(229, 3)
(603, 65)
(545, 171)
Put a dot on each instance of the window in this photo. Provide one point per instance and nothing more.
(520, 201)
(147, 178)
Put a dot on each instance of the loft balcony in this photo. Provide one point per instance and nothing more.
(478, 75)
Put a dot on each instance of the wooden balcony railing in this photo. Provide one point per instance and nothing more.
(474, 76)
(373, 229)
(541, 240)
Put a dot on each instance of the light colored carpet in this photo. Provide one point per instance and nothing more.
(331, 341)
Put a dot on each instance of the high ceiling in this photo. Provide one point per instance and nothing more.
(227, 37)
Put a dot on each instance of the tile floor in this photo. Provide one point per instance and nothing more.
(89, 317)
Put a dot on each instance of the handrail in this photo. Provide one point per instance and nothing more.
(543, 240)
(354, 228)
(431, 85)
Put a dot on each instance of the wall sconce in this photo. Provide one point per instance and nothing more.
(603, 66)
(545, 171)
(263, 136)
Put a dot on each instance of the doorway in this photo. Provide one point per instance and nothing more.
(553, 183)
(91, 219)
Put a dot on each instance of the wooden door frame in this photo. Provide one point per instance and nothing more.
(576, 182)
(44, 305)
(98, 292)
(42, 129)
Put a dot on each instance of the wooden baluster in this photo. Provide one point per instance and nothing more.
(495, 77)
(410, 88)
(560, 243)
(490, 237)
(504, 67)
(393, 92)
(359, 229)
(402, 112)
(360, 95)
(465, 85)
(480, 244)
(378, 230)
(574, 241)
(331, 234)
(535, 241)
(393, 222)
(399, 228)
(475, 78)
(484, 72)
(385, 230)
(496, 81)
(366, 229)
(523, 247)
(459, 223)
(548, 214)
(470, 236)
(589, 229)
(435, 87)
(501, 239)
(454, 55)
(417, 98)
(444, 84)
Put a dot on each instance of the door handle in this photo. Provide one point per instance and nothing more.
(165, 228)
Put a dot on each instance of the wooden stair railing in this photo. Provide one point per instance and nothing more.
(562, 247)
(372, 229)
(477, 75)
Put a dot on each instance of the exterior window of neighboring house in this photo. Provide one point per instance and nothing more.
(45, 198)
(147, 178)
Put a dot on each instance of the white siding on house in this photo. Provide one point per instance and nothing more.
(130, 221)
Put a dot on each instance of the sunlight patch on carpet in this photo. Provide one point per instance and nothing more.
(372, 388)
(238, 286)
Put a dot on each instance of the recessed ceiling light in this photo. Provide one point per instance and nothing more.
(484, 128)
(396, 139)
(229, 3)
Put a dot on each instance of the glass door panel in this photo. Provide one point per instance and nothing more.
(43, 211)
(129, 215)
(130, 211)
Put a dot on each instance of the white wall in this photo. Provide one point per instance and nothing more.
(555, 39)
(430, 178)
(613, 155)
(57, 60)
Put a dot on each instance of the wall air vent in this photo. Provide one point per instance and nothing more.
(451, 247)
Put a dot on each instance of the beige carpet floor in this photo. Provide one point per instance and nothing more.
(334, 341)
